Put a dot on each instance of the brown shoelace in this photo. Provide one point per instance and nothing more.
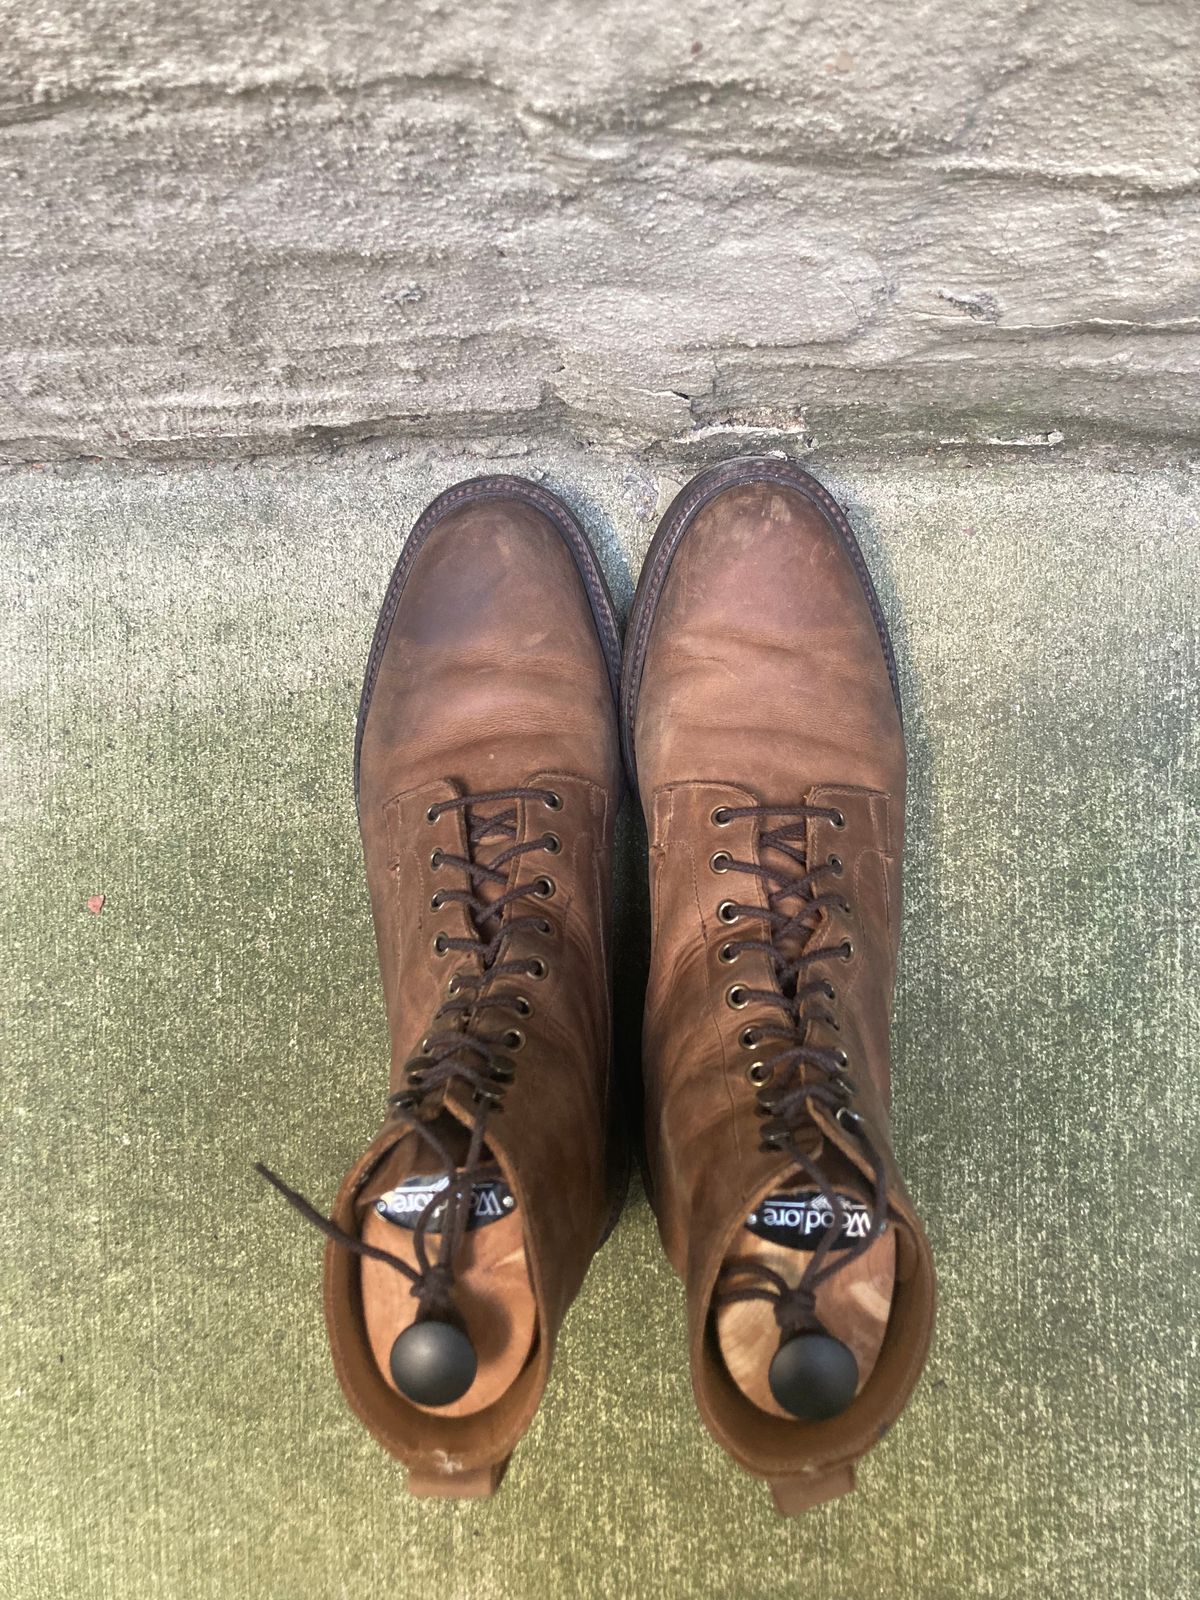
(456, 1049)
(801, 1075)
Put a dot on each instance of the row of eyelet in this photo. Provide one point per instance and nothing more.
(522, 1004)
(551, 844)
(543, 926)
(722, 817)
(543, 888)
(551, 801)
(721, 863)
(537, 969)
(736, 994)
(760, 1073)
(511, 1039)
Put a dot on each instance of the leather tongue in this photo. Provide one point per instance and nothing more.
(493, 1297)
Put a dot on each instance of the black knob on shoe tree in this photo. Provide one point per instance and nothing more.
(813, 1376)
(433, 1363)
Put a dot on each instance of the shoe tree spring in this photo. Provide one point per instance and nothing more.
(478, 1360)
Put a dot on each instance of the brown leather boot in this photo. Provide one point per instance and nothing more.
(488, 778)
(761, 723)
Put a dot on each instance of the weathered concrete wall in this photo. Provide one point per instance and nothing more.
(227, 228)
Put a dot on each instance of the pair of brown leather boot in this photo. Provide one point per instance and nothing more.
(759, 717)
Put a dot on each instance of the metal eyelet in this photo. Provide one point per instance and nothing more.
(829, 991)
(512, 1039)
(760, 1073)
(436, 859)
(553, 802)
(432, 814)
(552, 844)
(454, 985)
(721, 861)
(544, 926)
(847, 949)
(436, 902)
(524, 1006)
(842, 1059)
(748, 1038)
(848, 1087)
(836, 863)
(737, 997)
(543, 888)
(414, 1076)
(536, 969)
(502, 1071)
(425, 1046)
(440, 945)
(727, 912)
(728, 953)
(844, 906)
(838, 819)
(721, 817)
(845, 1118)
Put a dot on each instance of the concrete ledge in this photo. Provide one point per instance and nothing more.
(910, 225)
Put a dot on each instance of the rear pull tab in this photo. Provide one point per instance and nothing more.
(794, 1496)
(478, 1483)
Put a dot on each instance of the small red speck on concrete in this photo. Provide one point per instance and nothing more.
(696, 47)
(95, 904)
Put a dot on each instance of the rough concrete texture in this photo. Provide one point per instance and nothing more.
(179, 695)
(229, 228)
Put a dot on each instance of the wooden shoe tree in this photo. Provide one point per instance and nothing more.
(852, 1306)
(492, 1292)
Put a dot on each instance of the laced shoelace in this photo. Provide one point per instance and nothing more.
(801, 1075)
(458, 1050)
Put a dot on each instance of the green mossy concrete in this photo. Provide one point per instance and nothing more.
(181, 667)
